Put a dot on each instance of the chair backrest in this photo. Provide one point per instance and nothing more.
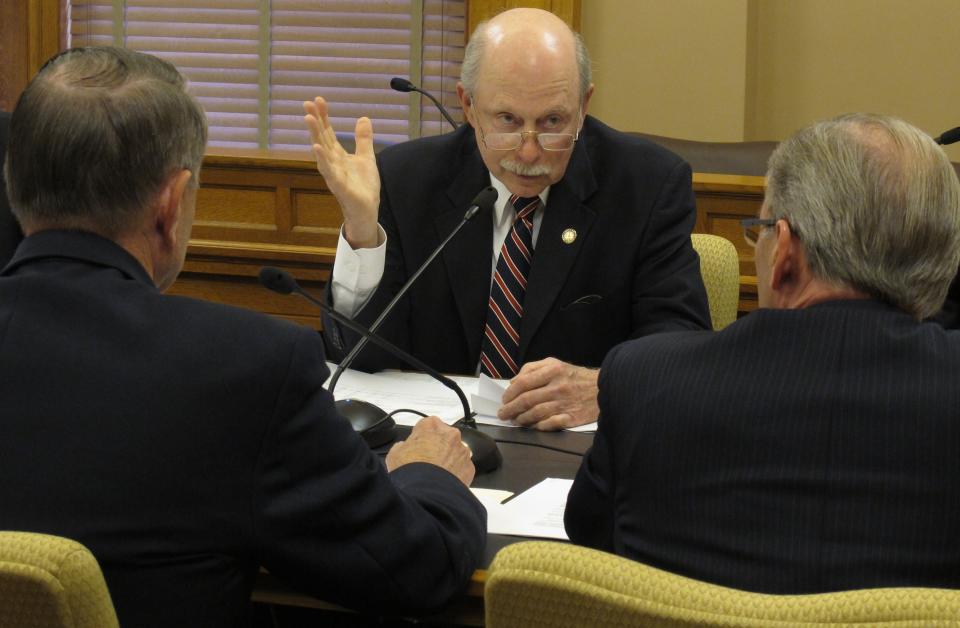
(720, 268)
(541, 583)
(51, 582)
(745, 158)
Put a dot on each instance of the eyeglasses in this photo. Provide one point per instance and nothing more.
(513, 141)
(753, 226)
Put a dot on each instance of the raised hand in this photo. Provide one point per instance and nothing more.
(353, 179)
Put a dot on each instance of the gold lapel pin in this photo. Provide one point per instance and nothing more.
(569, 236)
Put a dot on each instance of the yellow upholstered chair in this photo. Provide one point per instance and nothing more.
(51, 582)
(557, 585)
(720, 268)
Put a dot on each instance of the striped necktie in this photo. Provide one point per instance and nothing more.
(501, 337)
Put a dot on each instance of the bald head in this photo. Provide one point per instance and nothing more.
(531, 42)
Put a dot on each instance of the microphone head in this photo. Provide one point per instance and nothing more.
(401, 84)
(278, 280)
(949, 137)
(486, 198)
(482, 202)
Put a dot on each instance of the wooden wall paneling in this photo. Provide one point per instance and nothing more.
(254, 211)
(31, 32)
(257, 209)
(14, 52)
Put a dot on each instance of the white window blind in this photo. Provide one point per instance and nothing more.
(251, 63)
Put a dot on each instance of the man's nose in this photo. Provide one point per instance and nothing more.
(529, 149)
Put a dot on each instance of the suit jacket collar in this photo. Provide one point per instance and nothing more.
(81, 246)
(467, 257)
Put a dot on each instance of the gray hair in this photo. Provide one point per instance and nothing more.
(876, 204)
(473, 55)
(95, 135)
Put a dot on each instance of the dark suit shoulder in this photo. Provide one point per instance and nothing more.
(248, 332)
(829, 325)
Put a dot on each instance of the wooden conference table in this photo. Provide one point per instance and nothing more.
(529, 456)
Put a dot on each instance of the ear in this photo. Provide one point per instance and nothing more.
(169, 208)
(586, 98)
(784, 258)
(466, 103)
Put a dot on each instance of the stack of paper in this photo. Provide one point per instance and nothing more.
(536, 512)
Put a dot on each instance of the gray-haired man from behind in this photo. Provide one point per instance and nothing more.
(187, 443)
(813, 445)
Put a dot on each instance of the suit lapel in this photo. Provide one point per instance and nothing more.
(553, 258)
(467, 256)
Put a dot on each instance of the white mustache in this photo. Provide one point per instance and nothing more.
(525, 170)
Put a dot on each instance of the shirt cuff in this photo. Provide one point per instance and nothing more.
(356, 273)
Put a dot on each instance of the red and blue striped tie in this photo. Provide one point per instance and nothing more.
(501, 339)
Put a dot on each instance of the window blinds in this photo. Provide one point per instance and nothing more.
(251, 63)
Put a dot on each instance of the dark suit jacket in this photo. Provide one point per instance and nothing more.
(793, 452)
(10, 234)
(949, 315)
(631, 271)
(186, 443)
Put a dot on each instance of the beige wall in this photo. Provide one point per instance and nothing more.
(669, 67)
(726, 70)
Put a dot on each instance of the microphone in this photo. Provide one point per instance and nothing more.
(403, 85)
(948, 137)
(482, 201)
(484, 451)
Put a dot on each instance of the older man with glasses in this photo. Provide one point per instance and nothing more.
(813, 445)
(588, 244)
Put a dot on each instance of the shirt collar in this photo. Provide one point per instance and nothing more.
(503, 197)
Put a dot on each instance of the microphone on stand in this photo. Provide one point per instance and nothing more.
(481, 202)
(403, 85)
(948, 137)
(483, 448)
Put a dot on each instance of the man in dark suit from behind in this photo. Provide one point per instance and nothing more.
(187, 443)
(813, 445)
(10, 234)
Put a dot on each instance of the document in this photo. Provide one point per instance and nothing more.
(490, 497)
(486, 403)
(394, 390)
(536, 512)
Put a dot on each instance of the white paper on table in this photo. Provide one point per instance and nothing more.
(392, 390)
(536, 512)
(488, 399)
(490, 497)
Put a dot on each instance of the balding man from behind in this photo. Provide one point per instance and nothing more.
(814, 444)
(187, 443)
(588, 244)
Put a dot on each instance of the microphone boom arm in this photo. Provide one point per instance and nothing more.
(439, 106)
(487, 196)
(368, 335)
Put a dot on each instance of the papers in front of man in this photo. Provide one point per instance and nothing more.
(394, 390)
(536, 512)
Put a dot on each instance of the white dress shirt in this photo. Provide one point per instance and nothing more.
(357, 272)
